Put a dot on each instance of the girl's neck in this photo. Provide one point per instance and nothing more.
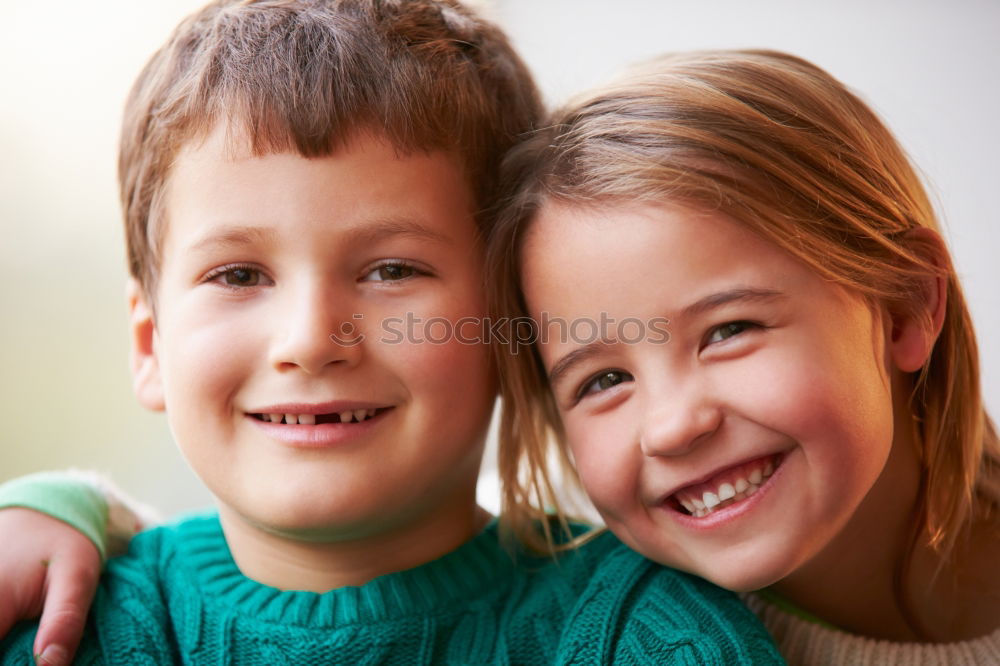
(851, 582)
(318, 566)
(879, 579)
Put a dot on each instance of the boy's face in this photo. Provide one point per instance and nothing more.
(263, 260)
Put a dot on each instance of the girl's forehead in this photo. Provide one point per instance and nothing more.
(664, 258)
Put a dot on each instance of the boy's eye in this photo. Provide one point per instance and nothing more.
(242, 277)
(237, 276)
(728, 330)
(606, 380)
(391, 272)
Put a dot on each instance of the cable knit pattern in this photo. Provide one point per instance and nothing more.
(177, 597)
(809, 644)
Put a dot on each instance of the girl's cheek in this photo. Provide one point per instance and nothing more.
(603, 460)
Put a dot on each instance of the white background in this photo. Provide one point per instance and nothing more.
(931, 68)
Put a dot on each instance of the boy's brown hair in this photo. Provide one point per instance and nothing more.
(306, 76)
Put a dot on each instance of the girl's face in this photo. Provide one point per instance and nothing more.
(735, 439)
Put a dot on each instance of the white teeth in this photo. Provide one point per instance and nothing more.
(348, 416)
(736, 491)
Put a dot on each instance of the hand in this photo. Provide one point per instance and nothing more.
(47, 568)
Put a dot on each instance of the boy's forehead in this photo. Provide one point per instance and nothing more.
(234, 142)
(368, 186)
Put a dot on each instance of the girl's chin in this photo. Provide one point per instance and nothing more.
(749, 582)
(745, 572)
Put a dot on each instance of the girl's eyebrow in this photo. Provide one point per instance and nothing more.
(701, 306)
(575, 357)
(718, 299)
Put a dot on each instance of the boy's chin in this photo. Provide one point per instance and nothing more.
(301, 524)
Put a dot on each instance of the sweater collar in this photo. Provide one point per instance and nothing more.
(455, 579)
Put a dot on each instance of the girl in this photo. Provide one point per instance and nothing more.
(811, 431)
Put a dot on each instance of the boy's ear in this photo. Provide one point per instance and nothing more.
(145, 366)
(915, 331)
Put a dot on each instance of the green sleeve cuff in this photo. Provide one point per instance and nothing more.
(71, 499)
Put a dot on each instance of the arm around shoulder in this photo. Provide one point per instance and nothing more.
(86, 501)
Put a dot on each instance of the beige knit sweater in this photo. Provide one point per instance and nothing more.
(805, 643)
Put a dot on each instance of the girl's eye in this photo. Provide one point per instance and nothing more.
(728, 330)
(237, 276)
(604, 381)
(391, 272)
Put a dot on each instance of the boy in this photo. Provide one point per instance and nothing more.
(293, 174)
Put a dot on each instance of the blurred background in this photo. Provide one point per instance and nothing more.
(931, 69)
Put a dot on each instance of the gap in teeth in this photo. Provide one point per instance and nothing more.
(346, 416)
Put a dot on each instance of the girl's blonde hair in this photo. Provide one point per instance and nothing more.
(781, 146)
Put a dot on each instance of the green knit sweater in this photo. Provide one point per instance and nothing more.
(177, 597)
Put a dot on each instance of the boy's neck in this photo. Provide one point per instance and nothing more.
(291, 564)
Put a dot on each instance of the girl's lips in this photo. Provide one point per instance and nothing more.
(725, 494)
(721, 472)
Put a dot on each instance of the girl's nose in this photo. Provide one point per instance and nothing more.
(316, 329)
(675, 425)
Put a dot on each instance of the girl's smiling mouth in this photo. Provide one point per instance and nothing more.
(724, 489)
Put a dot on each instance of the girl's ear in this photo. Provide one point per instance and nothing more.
(916, 329)
(145, 366)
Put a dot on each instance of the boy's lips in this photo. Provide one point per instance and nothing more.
(313, 416)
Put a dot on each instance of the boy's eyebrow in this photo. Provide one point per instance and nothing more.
(236, 235)
(710, 302)
(385, 227)
(360, 234)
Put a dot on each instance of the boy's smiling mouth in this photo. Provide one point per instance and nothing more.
(343, 416)
(319, 425)
(724, 489)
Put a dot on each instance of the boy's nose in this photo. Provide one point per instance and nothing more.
(316, 330)
(675, 425)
